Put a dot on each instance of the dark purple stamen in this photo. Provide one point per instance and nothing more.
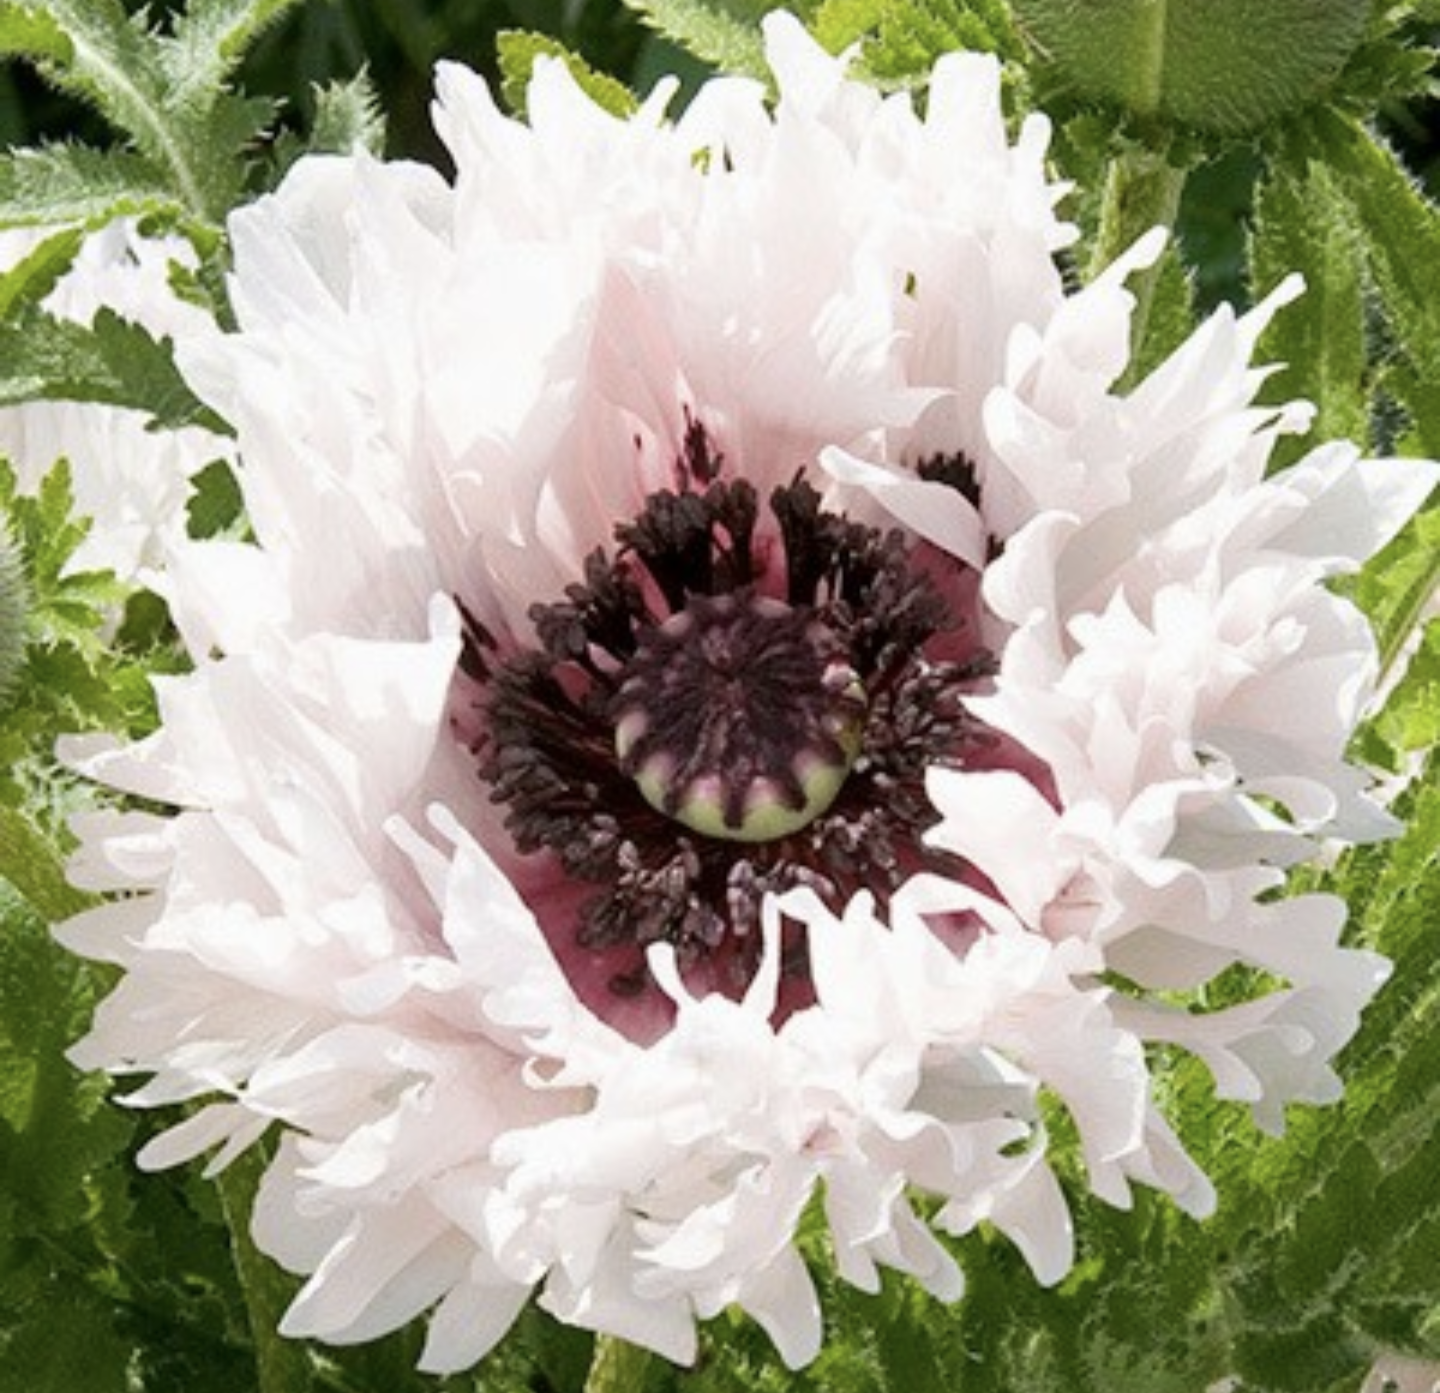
(685, 744)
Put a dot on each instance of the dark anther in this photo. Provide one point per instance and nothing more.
(957, 471)
(694, 544)
(699, 461)
(601, 614)
(827, 557)
(672, 538)
(707, 720)
(477, 645)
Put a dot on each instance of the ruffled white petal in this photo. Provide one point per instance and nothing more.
(447, 396)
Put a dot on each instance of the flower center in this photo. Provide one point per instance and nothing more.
(729, 704)
(739, 717)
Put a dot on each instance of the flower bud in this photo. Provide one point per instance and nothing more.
(1220, 66)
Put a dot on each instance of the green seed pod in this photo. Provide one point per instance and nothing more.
(14, 606)
(1224, 67)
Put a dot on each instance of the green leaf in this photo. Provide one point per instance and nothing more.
(1392, 67)
(1305, 1357)
(58, 1338)
(41, 523)
(14, 611)
(28, 860)
(725, 33)
(1394, 893)
(281, 1365)
(166, 93)
(30, 280)
(1396, 588)
(1170, 318)
(113, 361)
(90, 1249)
(1410, 720)
(347, 118)
(216, 505)
(1142, 191)
(55, 1126)
(1401, 230)
(619, 1367)
(1331, 1230)
(75, 676)
(901, 39)
(208, 41)
(110, 1280)
(1221, 66)
(30, 33)
(518, 51)
(1301, 224)
(63, 184)
(163, 1254)
(106, 61)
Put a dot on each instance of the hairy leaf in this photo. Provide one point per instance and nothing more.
(1332, 1227)
(73, 677)
(1171, 313)
(1225, 66)
(31, 279)
(113, 361)
(1301, 224)
(725, 33)
(28, 860)
(347, 118)
(14, 611)
(29, 32)
(209, 39)
(518, 52)
(167, 94)
(901, 39)
(58, 185)
(1401, 230)
(1410, 720)
(106, 61)
(1398, 587)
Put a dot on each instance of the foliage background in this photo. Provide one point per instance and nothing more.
(1327, 1246)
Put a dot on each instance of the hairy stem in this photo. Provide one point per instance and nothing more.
(1142, 190)
(617, 1367)
(1400, 629)
(281, 1366)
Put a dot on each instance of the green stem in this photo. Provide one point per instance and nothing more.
(617, 1367)
(1395, 632)
(1142, 190)
(281, 1365)
(135, 110)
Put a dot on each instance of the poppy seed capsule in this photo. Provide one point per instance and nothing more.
(739, 719)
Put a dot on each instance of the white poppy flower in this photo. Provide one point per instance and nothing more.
(131, 481)
(723, 690)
